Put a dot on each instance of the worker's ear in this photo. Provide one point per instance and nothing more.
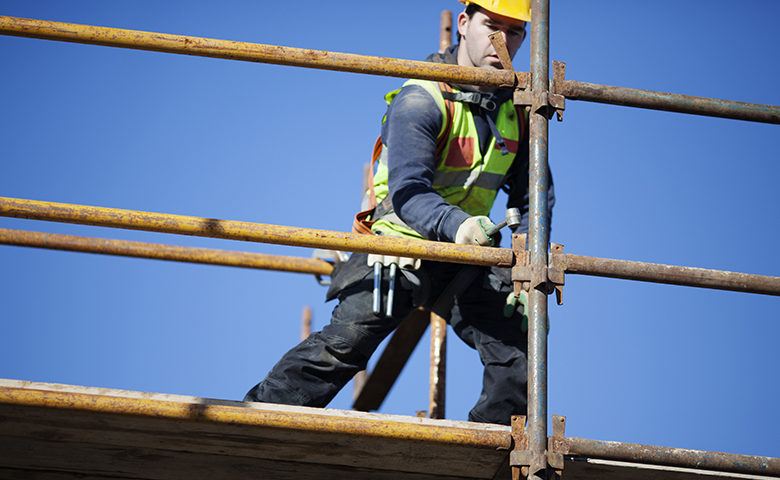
(463, 21)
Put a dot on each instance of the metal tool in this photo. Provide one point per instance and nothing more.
(467, 273)
(391, 290)
(377, 288)
(458, 284)
(513, 219)
(377, 304)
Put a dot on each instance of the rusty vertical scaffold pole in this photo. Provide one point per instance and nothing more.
(438, 370)
(306, 323)
(360, 378)
(539, 239)
(445, 31)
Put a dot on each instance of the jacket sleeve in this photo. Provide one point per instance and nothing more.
(409, 132)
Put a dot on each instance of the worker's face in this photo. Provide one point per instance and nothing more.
(476, 50)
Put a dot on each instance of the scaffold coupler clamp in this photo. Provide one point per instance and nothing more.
(547, 279)
(557, 445)
(549, 102)
(525, 463)
(552, 103)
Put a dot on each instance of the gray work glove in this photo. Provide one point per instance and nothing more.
(405, 263)
(473, 231)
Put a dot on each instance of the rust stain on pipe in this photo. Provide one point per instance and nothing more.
(253, 232)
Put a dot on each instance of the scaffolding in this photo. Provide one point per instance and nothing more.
(538, 266)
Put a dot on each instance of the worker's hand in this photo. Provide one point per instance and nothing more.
(473, 231)
(405, 263)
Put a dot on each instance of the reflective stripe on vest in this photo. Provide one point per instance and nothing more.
(468, 178)
(463, 177)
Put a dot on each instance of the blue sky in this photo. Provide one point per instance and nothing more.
(632, 362)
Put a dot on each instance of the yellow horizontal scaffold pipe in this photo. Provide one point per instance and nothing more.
(158, 251)
(236, 414)
(255, 52)
(253, 232)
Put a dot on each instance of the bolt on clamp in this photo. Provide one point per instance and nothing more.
(524, 462)
(548, 279)
(549, 102)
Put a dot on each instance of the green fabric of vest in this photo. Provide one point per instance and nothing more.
(463, 176)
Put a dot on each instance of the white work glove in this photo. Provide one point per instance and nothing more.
(404, 263)
(473, 231)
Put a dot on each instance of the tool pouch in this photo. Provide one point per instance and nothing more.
(347, 273)
(357, 269)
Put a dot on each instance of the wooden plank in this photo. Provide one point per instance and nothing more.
(25, 474)
(106, 461)
(241, 441)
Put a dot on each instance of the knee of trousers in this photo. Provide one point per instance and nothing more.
(500, 353)
(348, 344)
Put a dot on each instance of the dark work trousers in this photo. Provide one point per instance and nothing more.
(313, 372)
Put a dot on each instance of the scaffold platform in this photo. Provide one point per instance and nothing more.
(55, 431)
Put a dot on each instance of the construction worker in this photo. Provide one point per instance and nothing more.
(443, 154)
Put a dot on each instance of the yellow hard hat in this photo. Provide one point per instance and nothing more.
(517, 9)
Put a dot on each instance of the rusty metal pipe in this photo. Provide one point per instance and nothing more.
(254, 52)
(675, 457)
(573, 264)
(671, 274)
(437, 383)
(253, 232)
(238, 414)
(538, 238)
(306, 323)
(159, 251)
(437, 394)
(205, 47)
(670, 102)
(445, 30)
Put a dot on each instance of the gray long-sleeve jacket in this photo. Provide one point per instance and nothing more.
(410, 130)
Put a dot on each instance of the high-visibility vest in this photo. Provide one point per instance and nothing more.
(463, 177)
